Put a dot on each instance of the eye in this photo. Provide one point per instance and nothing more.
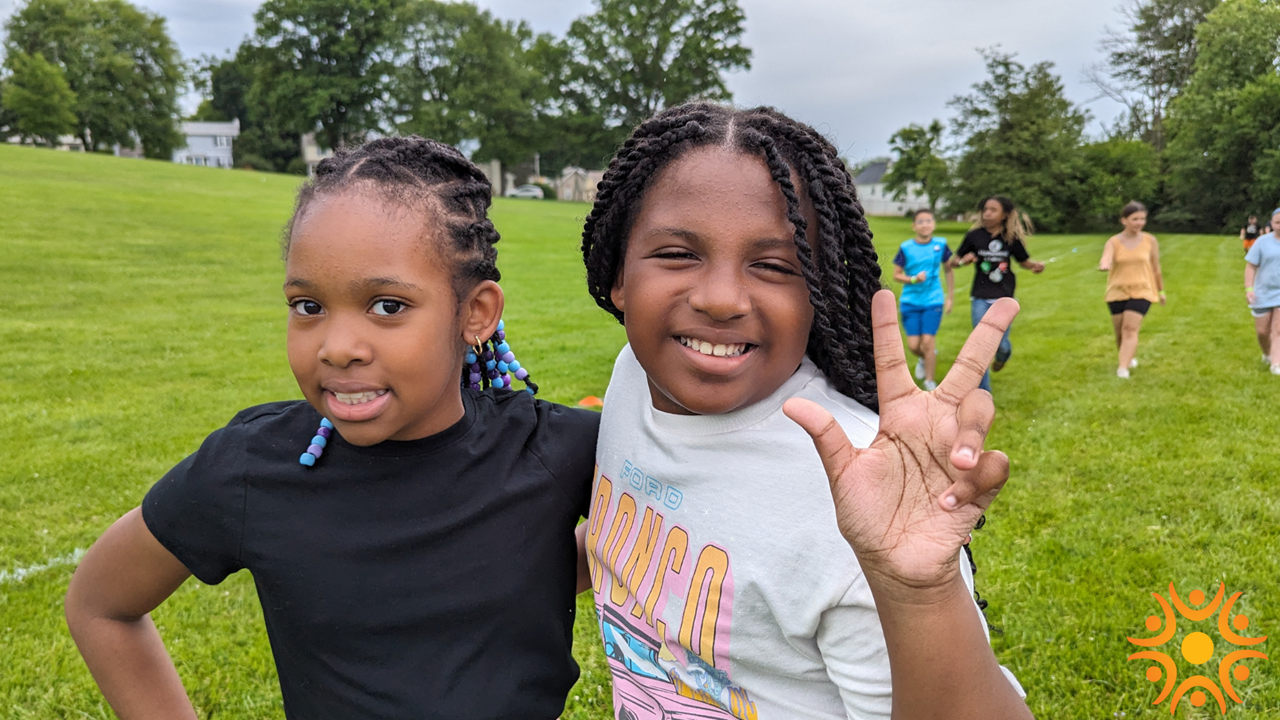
(675, 255)
(776, 267)
(306, 308)
(388, 307)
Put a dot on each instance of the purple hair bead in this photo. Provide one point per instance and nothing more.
(324, 432)
(315, 450)
(522, 374)
(509, 357)
(475, 377)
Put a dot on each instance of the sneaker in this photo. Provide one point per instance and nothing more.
(1275, 369)
(998, 365)
(1133, 364)
(920, 369)
(1123, 373)
(1266, 359)
(930, 385)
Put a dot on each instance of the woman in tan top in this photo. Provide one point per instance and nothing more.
(1132, 263)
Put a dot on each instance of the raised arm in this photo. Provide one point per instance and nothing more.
(124, 576)
(906, 505)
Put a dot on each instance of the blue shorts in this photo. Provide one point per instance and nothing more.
(921, 320)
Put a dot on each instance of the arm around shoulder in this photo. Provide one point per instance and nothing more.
(124, 576)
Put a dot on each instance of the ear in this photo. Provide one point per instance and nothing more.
(480, 312)
(618, 294)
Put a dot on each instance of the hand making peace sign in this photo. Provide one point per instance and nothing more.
(907, 503)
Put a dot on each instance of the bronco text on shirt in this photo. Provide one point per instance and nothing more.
(723, 586)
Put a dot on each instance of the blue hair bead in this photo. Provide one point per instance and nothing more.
(490, 365)
(529, 390)
(513, 366)
(307, 459)
(320, 440)
(497, 382)
(502, 366)
(324, 423)
(501, 325)
(503, 348)
(318, 443)
(471, 357)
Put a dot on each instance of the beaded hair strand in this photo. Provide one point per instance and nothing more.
(840, 270)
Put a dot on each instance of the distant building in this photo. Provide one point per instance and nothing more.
(208, 143)
(877, 200)
(578, 185)
(312, 155)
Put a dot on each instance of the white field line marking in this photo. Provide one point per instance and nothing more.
(17, 575)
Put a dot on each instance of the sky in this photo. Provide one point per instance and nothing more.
(857, 70)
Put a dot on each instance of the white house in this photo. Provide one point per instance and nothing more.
(577, 184)
(208, 143)
(877, 200)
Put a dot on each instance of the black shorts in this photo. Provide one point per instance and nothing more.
(1134, 304)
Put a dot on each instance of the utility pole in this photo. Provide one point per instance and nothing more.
(537, 166)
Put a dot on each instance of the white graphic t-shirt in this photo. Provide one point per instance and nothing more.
(723, 586)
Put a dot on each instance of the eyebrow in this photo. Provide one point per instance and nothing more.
(376, 283)
(760, 244)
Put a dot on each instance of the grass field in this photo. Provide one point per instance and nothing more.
(140, 309)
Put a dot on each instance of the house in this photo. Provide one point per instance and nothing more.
(312, 155)
(877, 200)
(208, 143)
(578, 185)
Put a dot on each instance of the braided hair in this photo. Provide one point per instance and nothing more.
(840, 271)
(419, 172)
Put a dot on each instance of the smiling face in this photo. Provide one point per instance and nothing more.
(924, 225)
(716, 308)
(376, 332)
(1134, 222)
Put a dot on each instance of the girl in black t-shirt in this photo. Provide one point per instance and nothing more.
(996, 241)
(415, 558)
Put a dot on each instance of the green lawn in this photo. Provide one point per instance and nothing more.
(140, 309)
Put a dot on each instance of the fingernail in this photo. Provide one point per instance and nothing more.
(949, 502)
(966, 453)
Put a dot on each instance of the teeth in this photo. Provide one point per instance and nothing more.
(706, 348)
(357, 398)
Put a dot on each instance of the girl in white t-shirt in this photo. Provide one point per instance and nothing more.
(728, 584)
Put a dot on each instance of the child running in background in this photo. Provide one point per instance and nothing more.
(410, 534)
(923, 303)
(728, 584)
(1250, 233)
(1262, 291)
(997, 238)
(1131, 260)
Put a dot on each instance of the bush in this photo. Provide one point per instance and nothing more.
(548, 191)
(249, 161)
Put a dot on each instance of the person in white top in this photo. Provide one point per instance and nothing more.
(727, 582)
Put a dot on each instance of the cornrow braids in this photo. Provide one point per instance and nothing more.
(840, 270)
(416, 171)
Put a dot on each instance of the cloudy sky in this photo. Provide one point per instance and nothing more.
(856, 69)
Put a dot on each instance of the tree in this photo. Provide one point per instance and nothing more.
(227, 84)
(323, 65)
(464, 74)
(118, 61)
(1020, 138)
(1151, 63)
(38, 98)
(632, 58)
(1225, 126)
(917, 163)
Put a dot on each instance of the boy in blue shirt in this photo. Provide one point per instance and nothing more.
(918, 266)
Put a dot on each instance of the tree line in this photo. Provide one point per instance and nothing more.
(1198, 143)
(108, 73)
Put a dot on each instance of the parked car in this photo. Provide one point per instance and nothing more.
(525, 191)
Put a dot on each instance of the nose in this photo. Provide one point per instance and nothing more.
(721, 293)
(344, 344)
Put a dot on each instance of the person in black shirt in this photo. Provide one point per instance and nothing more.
(418, 560)
(1252, 230)
(994, 243)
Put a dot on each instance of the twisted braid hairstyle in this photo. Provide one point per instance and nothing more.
(420, 173)
(840, 270)
(433, 177)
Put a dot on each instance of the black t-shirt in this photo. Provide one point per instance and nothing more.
(1252, 231)
(993, 273)
(425, 579)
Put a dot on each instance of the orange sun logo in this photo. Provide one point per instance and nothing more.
(1197, 648)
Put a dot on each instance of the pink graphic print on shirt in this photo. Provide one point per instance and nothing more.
(666, 662)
